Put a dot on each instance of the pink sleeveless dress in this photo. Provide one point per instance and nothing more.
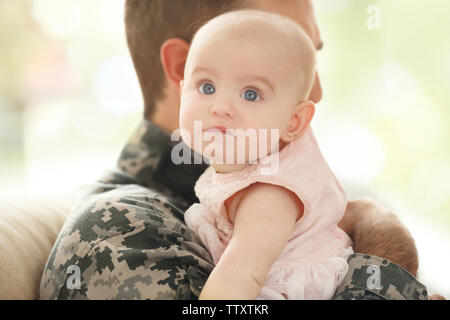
(314, 261)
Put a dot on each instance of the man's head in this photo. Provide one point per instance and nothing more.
(249, 69)
(150, 23)
(159, 33)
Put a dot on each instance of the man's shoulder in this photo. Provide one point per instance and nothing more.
(109, 207)
(113, 224)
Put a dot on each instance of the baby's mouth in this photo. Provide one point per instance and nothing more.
(219, 129)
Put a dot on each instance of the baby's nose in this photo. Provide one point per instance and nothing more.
(222, 110)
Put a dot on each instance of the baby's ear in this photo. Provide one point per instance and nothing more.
(300, 121)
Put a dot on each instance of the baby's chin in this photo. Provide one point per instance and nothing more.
(222, 154)
(227, 168)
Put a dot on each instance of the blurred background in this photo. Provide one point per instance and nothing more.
(69, 100)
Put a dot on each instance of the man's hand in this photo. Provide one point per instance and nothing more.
(377, 231)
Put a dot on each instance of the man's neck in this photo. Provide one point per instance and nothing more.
(166, 114)
(147, 159)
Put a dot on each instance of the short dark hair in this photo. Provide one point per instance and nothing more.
(149, 23)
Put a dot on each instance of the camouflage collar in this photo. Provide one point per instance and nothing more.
(381, 278)
(147, 159)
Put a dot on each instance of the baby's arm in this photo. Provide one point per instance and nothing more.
(264, 220)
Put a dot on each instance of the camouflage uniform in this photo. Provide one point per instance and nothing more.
(127, 238)
(373, 278)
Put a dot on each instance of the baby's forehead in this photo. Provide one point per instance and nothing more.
(258, 27)
(248, 39)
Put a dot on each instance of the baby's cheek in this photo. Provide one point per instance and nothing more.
(186, 127)
(186, 136)
(191, 131)
(268, 142)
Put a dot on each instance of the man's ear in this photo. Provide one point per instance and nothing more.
(300, 121)
(173, 54)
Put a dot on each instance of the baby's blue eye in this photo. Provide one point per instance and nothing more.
(251, 95)
(208, 88)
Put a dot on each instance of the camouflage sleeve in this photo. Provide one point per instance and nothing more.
(126, 243)
(373, 278)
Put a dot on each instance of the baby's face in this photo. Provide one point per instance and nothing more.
(239, 84)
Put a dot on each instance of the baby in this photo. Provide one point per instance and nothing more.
(271, 236)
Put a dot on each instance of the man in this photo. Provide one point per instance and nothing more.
(126, 238)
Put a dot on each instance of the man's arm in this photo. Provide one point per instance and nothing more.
(126, 244)
(377, 231)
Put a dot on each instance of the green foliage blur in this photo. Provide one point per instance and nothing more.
(394, 82)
